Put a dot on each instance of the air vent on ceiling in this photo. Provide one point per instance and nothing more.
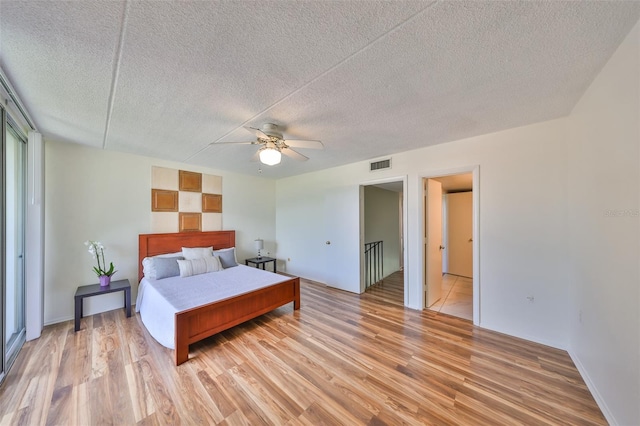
(380, 165)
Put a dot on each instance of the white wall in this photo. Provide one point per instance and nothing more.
(34, 238)
(522, 223)
(101, 195)
(604, 234)
(382, 223)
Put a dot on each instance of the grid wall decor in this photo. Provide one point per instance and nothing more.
(185, 201)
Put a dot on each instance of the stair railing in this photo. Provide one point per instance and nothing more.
(373, 263)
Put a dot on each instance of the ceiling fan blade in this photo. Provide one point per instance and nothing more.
(302, 143)
(259, 133)
(294, 154)
(237, 143)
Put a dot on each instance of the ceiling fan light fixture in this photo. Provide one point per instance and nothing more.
(270, 156)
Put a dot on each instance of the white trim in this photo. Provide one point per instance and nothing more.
(34, 238)
(608, 415)
(362, 286)
(477, 294)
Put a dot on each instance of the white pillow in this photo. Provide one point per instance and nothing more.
(199, 266)
(196, 252)
(148, 267)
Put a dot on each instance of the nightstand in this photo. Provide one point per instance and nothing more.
(261, 261)
(95, 290)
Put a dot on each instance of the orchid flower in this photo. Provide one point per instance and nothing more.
(96, 249)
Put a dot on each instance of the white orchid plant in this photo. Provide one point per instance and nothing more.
(97, 251)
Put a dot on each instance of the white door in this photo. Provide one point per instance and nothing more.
(433, 241)
(460, 233)
(342, 233)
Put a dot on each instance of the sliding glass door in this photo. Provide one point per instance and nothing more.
(15, 162)
(12, 233)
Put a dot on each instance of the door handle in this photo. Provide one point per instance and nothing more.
(470, 240)
(441, 247)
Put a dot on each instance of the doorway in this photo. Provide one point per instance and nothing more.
(383, 238)
(450, 244)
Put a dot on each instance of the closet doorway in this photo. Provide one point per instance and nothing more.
(449, 255)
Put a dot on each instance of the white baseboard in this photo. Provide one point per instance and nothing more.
(608, 415)
(551, 343)
(57, 320)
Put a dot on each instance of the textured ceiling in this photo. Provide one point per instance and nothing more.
(369, 79)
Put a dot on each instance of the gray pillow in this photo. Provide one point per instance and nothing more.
(227, 257)
(167, 267)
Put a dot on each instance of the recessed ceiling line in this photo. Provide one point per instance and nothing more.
(319, 76)
(116, 72)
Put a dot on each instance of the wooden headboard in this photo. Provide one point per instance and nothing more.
(155, 244)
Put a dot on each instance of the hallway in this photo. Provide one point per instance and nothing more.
(457, 297)
(390, 290)
(457, 294)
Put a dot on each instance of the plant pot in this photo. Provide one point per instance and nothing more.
(105, 280)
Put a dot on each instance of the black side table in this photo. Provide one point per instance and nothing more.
(95, 290)
(261, 261)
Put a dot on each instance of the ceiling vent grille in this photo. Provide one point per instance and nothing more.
(374, 166)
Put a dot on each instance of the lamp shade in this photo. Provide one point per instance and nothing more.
(270, 156)
(259, 246)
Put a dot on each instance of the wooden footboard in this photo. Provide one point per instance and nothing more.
(198, 323)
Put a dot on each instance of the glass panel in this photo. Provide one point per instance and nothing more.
(15, 151)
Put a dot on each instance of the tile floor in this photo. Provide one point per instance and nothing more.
(457, 297)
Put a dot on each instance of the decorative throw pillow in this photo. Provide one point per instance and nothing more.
(198, 266)
(148, 265)
(227, 257)
(167, 267)
(196, 252)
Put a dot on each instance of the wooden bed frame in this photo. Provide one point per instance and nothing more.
(203, 321)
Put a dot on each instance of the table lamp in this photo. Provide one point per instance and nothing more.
(259, 246)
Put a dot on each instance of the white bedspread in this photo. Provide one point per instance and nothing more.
(159, 300)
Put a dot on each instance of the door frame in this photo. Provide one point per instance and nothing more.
(405, 251)
(475, 171)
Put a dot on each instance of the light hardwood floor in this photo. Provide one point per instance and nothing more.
(341, 359)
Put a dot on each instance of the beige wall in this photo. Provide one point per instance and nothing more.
(106, 196)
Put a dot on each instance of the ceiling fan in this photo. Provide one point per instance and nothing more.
(273, 145)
